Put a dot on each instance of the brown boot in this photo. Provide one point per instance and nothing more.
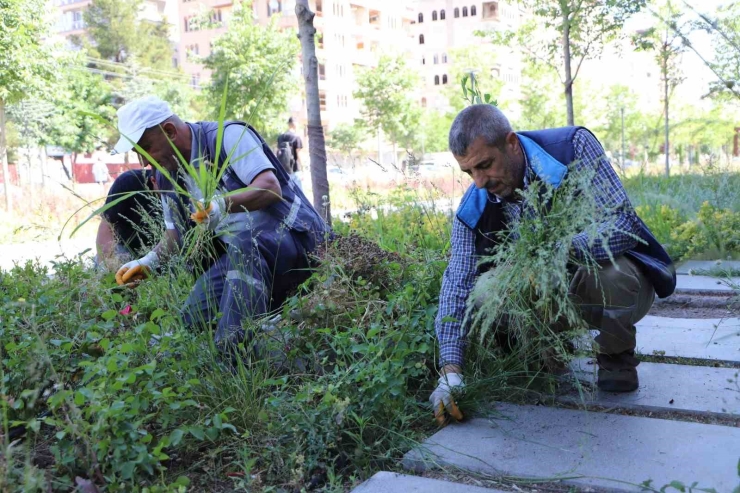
(617, 372)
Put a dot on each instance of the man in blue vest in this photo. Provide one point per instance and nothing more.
(262, 234)
(500, 161)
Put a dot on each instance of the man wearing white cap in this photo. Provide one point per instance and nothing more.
(262, 234)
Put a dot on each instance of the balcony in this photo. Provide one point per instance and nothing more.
(62, 3)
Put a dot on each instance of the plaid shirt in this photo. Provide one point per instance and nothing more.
(461, 272)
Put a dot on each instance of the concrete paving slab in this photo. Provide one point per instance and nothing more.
(703, 265)
(390, 482)
(713, 338)
(698, 390)
(703, 284)
(586, 449)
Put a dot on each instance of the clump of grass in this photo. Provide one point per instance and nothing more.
(524, 298)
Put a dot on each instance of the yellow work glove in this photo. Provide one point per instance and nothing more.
(442, 400)
(137, 270)
(212, 215)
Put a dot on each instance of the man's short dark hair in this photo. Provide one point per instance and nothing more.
(290, 121)
(478, 120)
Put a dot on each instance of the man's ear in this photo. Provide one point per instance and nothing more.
(170, 130)
(512, 143)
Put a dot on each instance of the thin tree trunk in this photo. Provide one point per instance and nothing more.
(316, 144)
(568, 84)
(667, 133)
(42, 165)
(4, 157)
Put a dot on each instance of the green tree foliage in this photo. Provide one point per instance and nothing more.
(77, 94)
(25, 64)
(724, 27)
(387, 105)
(565, 33)
(482, 61)
(347, 138)
(539, 104)
(117, 33)
(435, 129)
(259, 65)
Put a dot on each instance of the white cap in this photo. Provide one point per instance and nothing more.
(135, 117)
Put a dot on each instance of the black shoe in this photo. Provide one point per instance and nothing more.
(624, 380)
(617, 372)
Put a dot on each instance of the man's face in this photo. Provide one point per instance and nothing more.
(498, 170)
(155, 142)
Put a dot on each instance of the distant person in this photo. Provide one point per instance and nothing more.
(133, 225)
(289, 143)
(100, 172)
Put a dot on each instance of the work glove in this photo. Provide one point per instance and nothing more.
(137, 270)
(212, 215)
(442, 399)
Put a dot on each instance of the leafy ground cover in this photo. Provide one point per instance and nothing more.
(105, 387)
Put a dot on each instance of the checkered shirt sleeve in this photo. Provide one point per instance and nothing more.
(457, 283)
(610, 196)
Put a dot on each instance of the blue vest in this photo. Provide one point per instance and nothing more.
(553, 150)
(294, 211)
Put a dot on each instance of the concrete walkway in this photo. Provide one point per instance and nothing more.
(686, 284)
(661, 433)
(45, 252)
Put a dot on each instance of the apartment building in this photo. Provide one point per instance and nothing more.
(441, 26)
(350, 34)
(69, 18)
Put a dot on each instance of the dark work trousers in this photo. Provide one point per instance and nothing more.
(612, 302)
(260, 269)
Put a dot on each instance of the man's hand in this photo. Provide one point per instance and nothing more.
(442, 399)
(137, 270)
(210, 216)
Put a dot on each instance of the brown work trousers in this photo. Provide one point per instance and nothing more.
(612, 302)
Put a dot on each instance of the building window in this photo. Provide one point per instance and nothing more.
(442, 15)
(473, 10)
(273, 7)
(436, 80)
(444, 79)
(423, 61)
(322, 71)
(319, 40)
(423, 102)
(496, 72)
(465, 11)
(490, 10)
(444, 57)
(434, 15)
(421, 39)
(322, 100)
(187, 24)
(436, 59)
(457, 12)
(216, 16)
(319, 8)
(421, 17)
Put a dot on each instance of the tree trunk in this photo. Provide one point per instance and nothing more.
(4, 157)
(316, 144)
(380, 148)
(42, 165)
(667, 133)
(568, 84)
